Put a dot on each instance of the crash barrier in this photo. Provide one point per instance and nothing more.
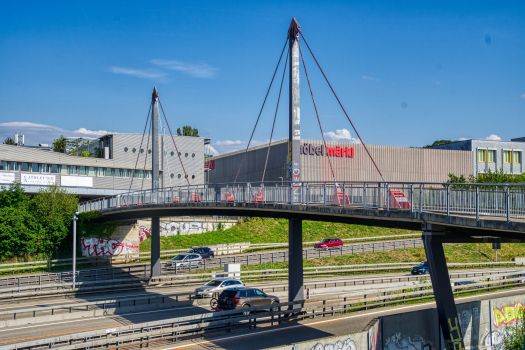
(229, 248)
(94, 286)
(198, 326)
(113, 272)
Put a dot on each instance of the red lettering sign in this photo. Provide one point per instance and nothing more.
(337, 151)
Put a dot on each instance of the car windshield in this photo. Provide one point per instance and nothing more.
(424, 263)
(228, 294)
(179, 257)
(213, 283)
(326, 240)
(193, 251)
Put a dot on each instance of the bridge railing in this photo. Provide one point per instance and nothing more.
(496, 200)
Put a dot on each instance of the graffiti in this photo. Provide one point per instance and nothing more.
(396, 343)
(143, 233)
(374, 338)
(456, 339)
(508, 314)
(96, 246)
(348, 344)
(469, 321)
(491, 340)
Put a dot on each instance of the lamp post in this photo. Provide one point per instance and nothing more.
(75, 219)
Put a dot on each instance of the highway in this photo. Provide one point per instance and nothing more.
(36, 331)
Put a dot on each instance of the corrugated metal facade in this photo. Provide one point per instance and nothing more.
(398, 164)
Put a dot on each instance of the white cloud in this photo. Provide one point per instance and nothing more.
(493, 137)
(41, 133)
(211, 150)
(369, 78)
(229, 142)
(202, 70)
(148, 73)
(340, 135)
(463, 139)
(228, 146)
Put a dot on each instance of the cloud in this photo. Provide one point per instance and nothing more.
(41, 133)
(228, 146)
(148, 73)
(229, 142)
(202, 70)
(369, 78)
(493, 137)
(211, 150)
(340, 135)
(437, 82)
(523, 96)
(463, 139)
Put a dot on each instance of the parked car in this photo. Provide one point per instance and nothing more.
(237, 298)
(205, 252)
(329, 243)
(217, 285)
(184, 260)
(421, 269)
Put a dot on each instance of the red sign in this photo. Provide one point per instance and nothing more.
(210, 164)
(337, 151)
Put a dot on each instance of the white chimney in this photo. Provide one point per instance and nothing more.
(16, 138)
(23, 143)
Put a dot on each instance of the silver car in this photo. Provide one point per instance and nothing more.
(184, 261)
(217, 285)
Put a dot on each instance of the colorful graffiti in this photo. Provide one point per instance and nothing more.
(143, 233)
(96, 246)
(348, 344)
(395, 342)
(508, 314)
(456, 339)
(374, 338)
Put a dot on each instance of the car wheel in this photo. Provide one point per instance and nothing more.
(214, 303)
(246, 312)
(274, 308)
(427, 272)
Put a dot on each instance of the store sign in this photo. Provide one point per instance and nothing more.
(7, 178)
(37, 179)
(76, 181)
(210, 164)
(337, 151)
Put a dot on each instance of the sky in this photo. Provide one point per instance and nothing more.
(407, 72)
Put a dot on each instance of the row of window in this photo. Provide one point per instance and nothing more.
(149, 152)
(179, 176)
(489, 156)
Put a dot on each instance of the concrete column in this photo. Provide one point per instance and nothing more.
(155, 247)
(294, 136)
(446, 307)
(295, 256)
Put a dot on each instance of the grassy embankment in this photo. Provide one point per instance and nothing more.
(258, 230)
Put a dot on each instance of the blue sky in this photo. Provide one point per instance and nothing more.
(408, 73)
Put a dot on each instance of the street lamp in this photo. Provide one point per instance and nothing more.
(75, 219)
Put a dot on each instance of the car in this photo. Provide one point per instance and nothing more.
(421, 269)
(217, 285)
(184, 260)
(329, 243)
(242, 298)
(205, 252)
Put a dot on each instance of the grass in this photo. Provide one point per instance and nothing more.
(264, 230)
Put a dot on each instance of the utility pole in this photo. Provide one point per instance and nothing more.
(75, 219)
(294, 137)
(155, 222)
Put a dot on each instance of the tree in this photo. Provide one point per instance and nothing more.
(9, 141)
(84, 154)
(440, 142)
(60, 144)
(188, 131)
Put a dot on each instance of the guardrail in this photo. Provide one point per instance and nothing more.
(197, 326)
(495, 200)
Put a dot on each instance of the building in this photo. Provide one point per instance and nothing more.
(123, 165)
(491, 155)
(350, 162)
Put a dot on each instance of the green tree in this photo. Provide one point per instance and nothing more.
(440, 142)
(9, 141)
(188, 131)
(60, 144)
(514, 336)
(84, 154)
(13, 196)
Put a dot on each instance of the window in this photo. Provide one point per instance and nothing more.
(178, 176)
(3, 165)
(134, 150)
(242, 294)
(92, 171)
(117, 172)
(35, 168)
(54, 169)
(109, 172)
(250, 293)
(148, 174)
(125, 173)
(25, 166)
(507, 157)
(134, 173)
(516, 157)
(260, 293)
(125, 149)
(100, 172)
(141, 174)
(45, 168)
(73, 170)
(83, 170)
(185, 154)
(172, 175)
(15, 166)
(491, 155)
(149, 151)
(172, 153)
(482, 155)
(64, 170)
(193, 155)
(193, 176)
(142, 150)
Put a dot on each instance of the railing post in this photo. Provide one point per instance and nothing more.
(216, 195)
(411, 201)
(324, 197)
(420, 200)
(507, 206)
(387, 188)
(344, 199)
(448, 204)
(275, 195)
(364, 199)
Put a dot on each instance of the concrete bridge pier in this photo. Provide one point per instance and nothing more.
(446, 307)
(295, 254)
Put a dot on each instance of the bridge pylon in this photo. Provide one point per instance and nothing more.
(155, 221)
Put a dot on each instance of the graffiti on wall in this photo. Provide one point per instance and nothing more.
(374, 338)
(508, 314)
(395, 342)
(348, 344)
(96, 246)
(143, 233)
(469, 322)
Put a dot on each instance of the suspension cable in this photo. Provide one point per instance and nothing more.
(318, 119)
(275, 117)
(176, 149)
(264, 102)
(138, 155)
(146, 158)
(360, 139)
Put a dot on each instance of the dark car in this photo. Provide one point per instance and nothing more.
(239, 298)
(421, 269)
(205, 252)
(329, 243)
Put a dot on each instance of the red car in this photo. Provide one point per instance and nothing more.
(329, 243)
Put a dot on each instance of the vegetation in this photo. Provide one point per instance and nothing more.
(188, 131)
(9, 141)
(262, 230)
(59, 145)
(514, 337)
(34, 226)
(440, 142)
(490, 177)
